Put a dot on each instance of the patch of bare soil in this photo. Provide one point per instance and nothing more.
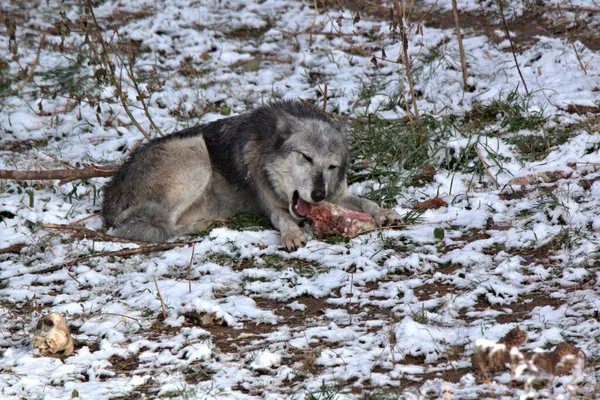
(122, 365)
(538, 19)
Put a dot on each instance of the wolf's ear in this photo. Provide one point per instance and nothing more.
(342, 124)
(286, 124)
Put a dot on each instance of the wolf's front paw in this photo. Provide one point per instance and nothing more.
(387, 218)
(293, 240)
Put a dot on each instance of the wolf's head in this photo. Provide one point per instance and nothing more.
(311, 162)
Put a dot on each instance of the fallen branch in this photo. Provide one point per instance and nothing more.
(88, 171)
(118, 253)
(89, 233)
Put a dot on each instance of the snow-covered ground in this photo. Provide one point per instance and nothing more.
(389, 314)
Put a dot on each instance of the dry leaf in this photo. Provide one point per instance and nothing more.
(436, 202)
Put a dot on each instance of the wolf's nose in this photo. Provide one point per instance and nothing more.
(317, 195)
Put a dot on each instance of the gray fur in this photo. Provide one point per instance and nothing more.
(254, 162)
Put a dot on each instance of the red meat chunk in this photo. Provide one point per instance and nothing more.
(327, 219)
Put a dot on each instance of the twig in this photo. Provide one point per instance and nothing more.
(190, 269)
(80, 220)
(120, 315)
(569, 34)
(75, 279)
(118, 253)
(33, 65)
(572, 8)
(370, 3)
(512, 46)
(324, 93)
(405, 58)
(89, 233)
(162, 303)
(383, 228)
(103, 55)
(461, 49)
(351, 308)
(88, 171)
(309, 32)
(485, 166)
(140, 94)
(312, 26)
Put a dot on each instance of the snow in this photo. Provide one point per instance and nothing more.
(379, 311)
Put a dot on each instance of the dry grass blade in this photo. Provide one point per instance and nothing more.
(512, 46)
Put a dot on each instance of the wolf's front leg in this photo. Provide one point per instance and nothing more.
(382, 217)
(291, 235)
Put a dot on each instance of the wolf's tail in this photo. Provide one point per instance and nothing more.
(148, 223)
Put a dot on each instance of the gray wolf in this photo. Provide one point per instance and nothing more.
(276, 160)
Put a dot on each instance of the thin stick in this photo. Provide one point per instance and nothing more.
(88, 171)
(312, 26)
(383, 228)
(119, 315)
(72, 277)
(324, 93)
(103, 55)
(351, 309)
(309, 32)
(80, 220)
(512, 46)
(406, 60)
(118, 253)
(461, 49)
(33, 65)
(89, 233)
(190, 270)
(485, 166)
(572, 42)
(375, 5)
(573, 8)
(162, 303)
(139, 92)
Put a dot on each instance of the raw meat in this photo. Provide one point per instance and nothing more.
(327, 219)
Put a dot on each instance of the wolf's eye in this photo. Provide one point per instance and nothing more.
(332, 167)
(307, 158)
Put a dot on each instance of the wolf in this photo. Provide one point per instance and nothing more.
(276, 160)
